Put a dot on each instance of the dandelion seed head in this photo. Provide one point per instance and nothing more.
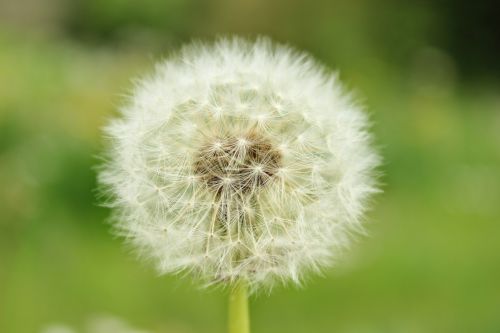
(240, 160)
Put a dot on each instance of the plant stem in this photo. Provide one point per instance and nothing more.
(238, 321)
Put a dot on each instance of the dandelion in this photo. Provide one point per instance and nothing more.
(244, 163)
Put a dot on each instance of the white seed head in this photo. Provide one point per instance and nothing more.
(240, 160)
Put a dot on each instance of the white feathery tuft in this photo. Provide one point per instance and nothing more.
(240, 160)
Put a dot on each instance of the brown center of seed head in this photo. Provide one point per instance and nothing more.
(237, 164)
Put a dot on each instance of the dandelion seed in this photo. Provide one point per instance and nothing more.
(262, 164)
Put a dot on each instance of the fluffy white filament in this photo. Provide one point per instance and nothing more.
(239, 160)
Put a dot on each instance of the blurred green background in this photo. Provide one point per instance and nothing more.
(429, 75)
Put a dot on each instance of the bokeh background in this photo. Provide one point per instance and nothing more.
(428, 72)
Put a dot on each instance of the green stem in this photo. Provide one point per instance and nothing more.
(238, 320)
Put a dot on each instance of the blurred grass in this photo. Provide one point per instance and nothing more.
(430, 265)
